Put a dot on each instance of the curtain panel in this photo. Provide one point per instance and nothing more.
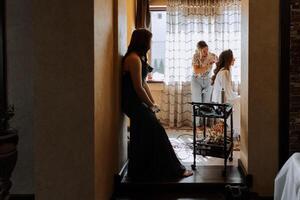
(142, 18)
(218, 22)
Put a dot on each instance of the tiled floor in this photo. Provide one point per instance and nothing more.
(182, 139)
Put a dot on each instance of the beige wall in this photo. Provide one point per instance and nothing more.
(63, 77)
(120, 48)
(244, 82)
(20, 63)
(105, 162)
(110, 136)
(263, 90)
(61, 55)
(130, 18)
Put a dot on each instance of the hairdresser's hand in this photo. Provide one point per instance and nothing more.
(214, 59)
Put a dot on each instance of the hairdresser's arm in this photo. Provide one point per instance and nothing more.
(135, 68)
(200, 69)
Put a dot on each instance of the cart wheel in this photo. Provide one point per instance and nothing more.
(230, 159)
(193, 167)
(223, 173)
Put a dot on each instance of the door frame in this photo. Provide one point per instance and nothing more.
(284, 82)
(3, 74)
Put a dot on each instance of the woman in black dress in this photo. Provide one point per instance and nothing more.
(151, 155)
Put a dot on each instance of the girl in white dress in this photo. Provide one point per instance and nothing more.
(222, 80)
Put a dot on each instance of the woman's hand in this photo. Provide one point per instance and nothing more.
(155, 108)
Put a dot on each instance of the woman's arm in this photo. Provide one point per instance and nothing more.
(146, 87)
(135, 68)
(197, 67)
(214, 58)
(200, 69)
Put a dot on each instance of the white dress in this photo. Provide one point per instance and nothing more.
(287, 181)
(223, 80)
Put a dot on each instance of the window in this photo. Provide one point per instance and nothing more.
(158, 47)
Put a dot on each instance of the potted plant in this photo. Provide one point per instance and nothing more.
(8, 151)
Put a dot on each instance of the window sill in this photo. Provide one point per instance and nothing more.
(154, 81)
(156, 85)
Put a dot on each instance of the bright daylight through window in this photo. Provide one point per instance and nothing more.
(158, 48)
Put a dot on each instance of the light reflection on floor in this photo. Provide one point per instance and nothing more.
(182, 143)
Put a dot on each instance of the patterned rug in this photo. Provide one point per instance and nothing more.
(182, 140)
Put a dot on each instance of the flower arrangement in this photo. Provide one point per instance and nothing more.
(215, 134)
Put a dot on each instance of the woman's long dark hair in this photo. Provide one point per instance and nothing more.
(225, 60)
(140, 42)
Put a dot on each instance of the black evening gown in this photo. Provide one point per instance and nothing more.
(151, 155)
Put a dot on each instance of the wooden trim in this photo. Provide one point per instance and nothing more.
(248, 178)
(3, 77)
(266, 198)
(158, 8)
(21, 197)
(284, 82)
(154, 81)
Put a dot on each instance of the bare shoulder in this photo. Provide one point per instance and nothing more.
(132, 62)
(132, 58)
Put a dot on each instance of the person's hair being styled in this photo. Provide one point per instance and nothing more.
(201, 44)
(140, 42)
(224, 61)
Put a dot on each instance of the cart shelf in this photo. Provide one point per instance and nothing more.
(201, 147)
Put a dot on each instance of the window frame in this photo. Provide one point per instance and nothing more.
(155, 8)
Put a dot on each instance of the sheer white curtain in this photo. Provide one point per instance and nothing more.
(218, 22)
